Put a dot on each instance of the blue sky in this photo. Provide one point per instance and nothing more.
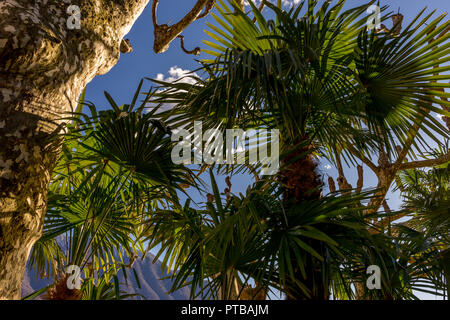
(122, 80)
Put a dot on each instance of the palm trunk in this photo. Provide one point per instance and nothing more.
(302, 183)
(44, 65)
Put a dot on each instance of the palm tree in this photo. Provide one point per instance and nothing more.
(114, 166)
(327, 84)
(234, 241)
(219, 250)
(427, 194)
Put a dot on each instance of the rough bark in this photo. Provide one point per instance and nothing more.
(301, 182)
(43, 68)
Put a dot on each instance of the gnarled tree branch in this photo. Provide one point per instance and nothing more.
(195, 51)
(360, 182)
(425, 163)
(208, 7)
(165, 34)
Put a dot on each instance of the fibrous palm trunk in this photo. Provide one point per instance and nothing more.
(44, 64)
(302, 183)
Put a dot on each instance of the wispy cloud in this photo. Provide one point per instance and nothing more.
(284, 2)
(175, 73)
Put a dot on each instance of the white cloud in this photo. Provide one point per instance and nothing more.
(290, 2)
(287, 3)
(176, 73)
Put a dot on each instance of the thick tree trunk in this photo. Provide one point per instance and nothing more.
(43, 68)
